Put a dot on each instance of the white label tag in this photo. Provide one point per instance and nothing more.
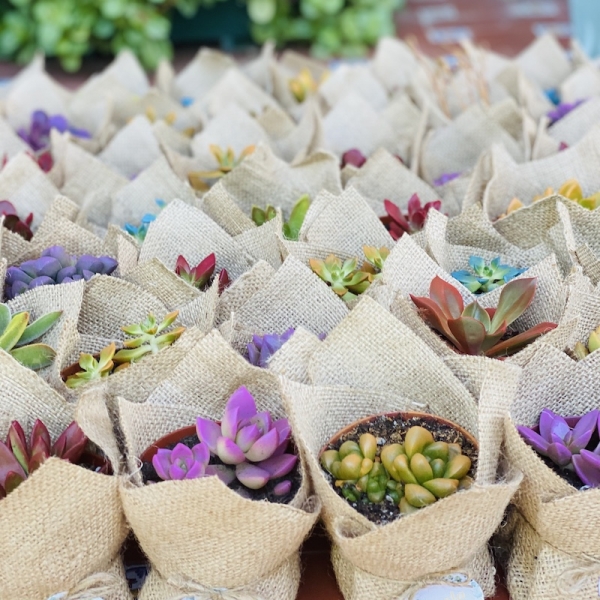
(452, 587)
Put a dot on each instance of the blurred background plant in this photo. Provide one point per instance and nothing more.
(71, 29)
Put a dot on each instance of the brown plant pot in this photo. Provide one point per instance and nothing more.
(171, 438)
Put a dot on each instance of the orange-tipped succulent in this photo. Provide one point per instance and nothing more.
(226, 161)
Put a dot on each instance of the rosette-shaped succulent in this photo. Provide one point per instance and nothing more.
(38, 134)
(593, 343)
(226, 162)
(428, 470)
(474, 330)
(262, 347)
(13, 222)
(251, 442)
(19, 458)
(375, 259)
(139, 232)
(92, 369)
(344, 278)
(201, 275)
(398, 224)
(486, 278)
(564, 442)
(55, 266)
(18, 336)
(358, 471)
(188, 463)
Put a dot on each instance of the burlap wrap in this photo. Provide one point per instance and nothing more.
(575, 125)
(80, 551)
(210, 554)
(551, 559)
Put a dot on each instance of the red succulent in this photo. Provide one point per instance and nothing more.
(398, 224)
(201, 275)
(12, 222)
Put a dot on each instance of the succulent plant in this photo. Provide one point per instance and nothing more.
(343, 277)
(55, 266)
(150, 338)
(353, 157)
(291, 228)
(486, 277)
(201, 275)
(303, 85)
(262, 347)
(38, 133)
(593, 343)
(18, 458)
(250, 442)
(188, 463)
(13, 223)
(445, 178)
(260, 216)
(226, 162)
(92, 369)
(398, 224)
(358, 471)
(565, 443)
(428, 470)
(375, 259)
(562, 110)
(139, 232)
(17, 337)
(475, 330)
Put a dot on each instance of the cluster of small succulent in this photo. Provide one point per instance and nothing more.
(226, 162)
(291, 228)
(475, 330)
(37, 135)
(412, 475)
(201, 276)
(263, 347)
(148, 337)
(55, 266)
(140, 231)
(486, 277)
(18, 458)
(250, 445)
(18, 337)
(571, 443)
(414, 220)
(13, 222)
(582, 350)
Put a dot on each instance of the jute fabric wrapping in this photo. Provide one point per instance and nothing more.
(458, 146)
(133, 149)
(259, 69)
(212, 515)
(582, 83)
(224, 210)
(575, 125)
(262, 243)
(383, 177)
(139, 197)
(10, 143)
(567, 556)
(169, 136)
(292, 359)
(404, 118)
(318, 413)
(88, 525)
(181, 229)
(354, 78)
(394, 63)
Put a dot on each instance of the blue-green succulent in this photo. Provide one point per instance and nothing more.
(486, 277)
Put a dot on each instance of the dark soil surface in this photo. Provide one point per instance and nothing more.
(266, 493)
(569, 476)
(392, 431)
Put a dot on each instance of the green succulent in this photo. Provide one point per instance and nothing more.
(343, 277)
(358, 471)
(93, 369)
(428, 470)
(582, 350)
(375, 259)
(17, 337)
(291, 228)
(260, 216)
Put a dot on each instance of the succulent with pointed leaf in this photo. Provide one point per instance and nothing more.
(150, 338)
(398, 224)
(226, 161)
(140, 231)
(19, 458)
(375, 259)
(260, 216)
(486, 277)
(201, 275)
(92, 369)
(581, 350)
(251, 442)
(345, 279)
(12, 221)
(474, 330)
(291, 228)
(304, 85)
(18, 337)
(262, 347)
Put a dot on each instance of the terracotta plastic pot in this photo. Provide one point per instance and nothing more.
(171, 438)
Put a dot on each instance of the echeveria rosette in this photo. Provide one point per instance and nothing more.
(250, 441)
(398, 224)
(38, 134)
(345, 278)
(55, 266)
(263, 347)
(562, 110)
(140, 231)
(486, 277)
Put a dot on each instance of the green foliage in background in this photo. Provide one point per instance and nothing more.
(70, 29)
(332, 27)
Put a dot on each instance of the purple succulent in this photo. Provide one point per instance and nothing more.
(558, 440)
(262, 347)
(444, 178)
(188, 463)
(587, 467)
(251, 441)
(562, 110)
(55, 266)
(38, 134)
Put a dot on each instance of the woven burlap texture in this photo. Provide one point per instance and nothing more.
(211, 553)
(566, 555)
(575, 125)
(88, 525)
